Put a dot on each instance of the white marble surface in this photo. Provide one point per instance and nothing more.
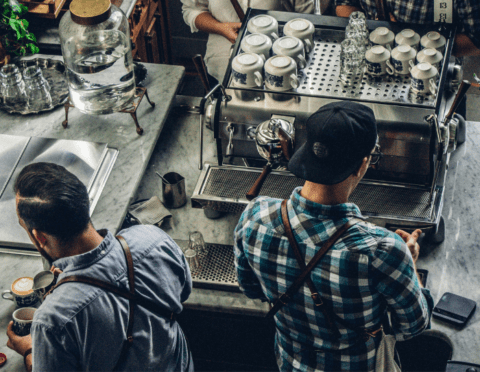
(453, 265)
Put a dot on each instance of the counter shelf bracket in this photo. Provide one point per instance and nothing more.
(130, 109)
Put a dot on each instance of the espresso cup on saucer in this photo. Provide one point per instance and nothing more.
(378, 62)
(382, 36)
(281, 73)
(302, 29)
(21, 292)
(257, 43)
(435, 40)
(430, 55)
(247, 70)
(408, 37)
(403, 59)
(292, 47)
(263, 24)
(423, 78)
(22, 320)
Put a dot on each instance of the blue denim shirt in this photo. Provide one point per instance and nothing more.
(81, 327)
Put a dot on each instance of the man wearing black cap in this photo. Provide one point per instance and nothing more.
(366, 271)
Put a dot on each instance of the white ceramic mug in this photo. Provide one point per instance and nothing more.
(247, 70)
(378, 62)
(382, 36)
(430, 55)
(257, 43)
(435, 40)
(302, 29)
(21, 292)
(423, 78)
(408, 37)
(403, 59)
(292, 47)
(281, 73)
(263, 24)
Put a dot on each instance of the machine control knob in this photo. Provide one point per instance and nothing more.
(251, 132)
(231, 131)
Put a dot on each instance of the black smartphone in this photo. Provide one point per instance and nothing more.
(423, 276)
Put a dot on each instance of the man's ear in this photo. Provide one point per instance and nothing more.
(362, 169)
(40, 237)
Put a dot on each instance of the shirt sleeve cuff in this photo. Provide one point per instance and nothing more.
(192, 17)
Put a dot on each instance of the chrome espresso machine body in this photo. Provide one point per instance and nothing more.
(406, 188)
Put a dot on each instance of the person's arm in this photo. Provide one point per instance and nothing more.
(20, 344)
(393, 274)
(345, 10)
(247, 280)
(464, 46)
(207, 23)
(191, 9)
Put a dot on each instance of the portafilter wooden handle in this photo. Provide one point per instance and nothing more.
(257, 186)
(285, 143)
(462, 91)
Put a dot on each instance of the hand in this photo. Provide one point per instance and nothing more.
(411, 241)
(56, 271)
(229, 30)
(20, 344)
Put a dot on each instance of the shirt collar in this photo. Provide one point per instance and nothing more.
(322, 211)
(87, 259)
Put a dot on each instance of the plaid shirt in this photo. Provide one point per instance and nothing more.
(367, 271)
(466, 13)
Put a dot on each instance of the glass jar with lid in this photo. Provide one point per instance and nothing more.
(96, 49)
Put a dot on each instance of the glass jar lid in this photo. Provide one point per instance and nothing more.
(90, 12)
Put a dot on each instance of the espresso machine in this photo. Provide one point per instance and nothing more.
(257, 130)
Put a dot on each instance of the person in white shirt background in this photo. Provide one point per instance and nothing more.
(219, 19)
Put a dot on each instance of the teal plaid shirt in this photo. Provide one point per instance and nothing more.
(368, 271)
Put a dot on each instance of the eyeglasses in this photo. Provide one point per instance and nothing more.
(376, 155)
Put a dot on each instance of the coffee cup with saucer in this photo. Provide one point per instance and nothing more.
(21, 292)
(257, 43)
(378, 62)
(423, 78)
(281, 73)
(435, 40)
(247, 70)
(430, 55)
(408, 37)
(292, 47)
(403, 59)
(382, 36)
(302, 29)
(263, 24)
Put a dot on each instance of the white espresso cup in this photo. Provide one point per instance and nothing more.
(257, 43)
(403, 59)
(423, 78)
(430, 55)
(247, 70)
(292, 47)
(302, 29)
(378, 62)
(264, 24)
(433, 39)
(408, 37)
(281, 73)
(382, 36)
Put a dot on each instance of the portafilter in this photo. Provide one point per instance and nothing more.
(275, 141)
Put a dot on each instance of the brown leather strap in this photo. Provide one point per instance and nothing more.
(381, 7)
(306, 269)
(238, 9)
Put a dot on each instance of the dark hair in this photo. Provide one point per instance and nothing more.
(52, 200)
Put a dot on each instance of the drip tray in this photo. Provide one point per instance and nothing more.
(223, 188)
(216, 269)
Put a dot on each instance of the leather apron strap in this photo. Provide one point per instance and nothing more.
(382, 10)
(238, 9)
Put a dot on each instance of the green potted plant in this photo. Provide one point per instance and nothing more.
(14, 35)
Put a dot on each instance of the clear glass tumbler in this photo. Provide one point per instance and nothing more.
(197, 243)
(13, 88)
(37, 89)
(351, 62)
(358, 23)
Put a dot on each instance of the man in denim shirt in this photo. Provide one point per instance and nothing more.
(83, 327)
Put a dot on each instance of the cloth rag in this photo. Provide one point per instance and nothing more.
(151, 212)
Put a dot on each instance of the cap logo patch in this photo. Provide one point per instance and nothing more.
(320, 150)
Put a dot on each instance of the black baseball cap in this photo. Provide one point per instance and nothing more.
(339, 136)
